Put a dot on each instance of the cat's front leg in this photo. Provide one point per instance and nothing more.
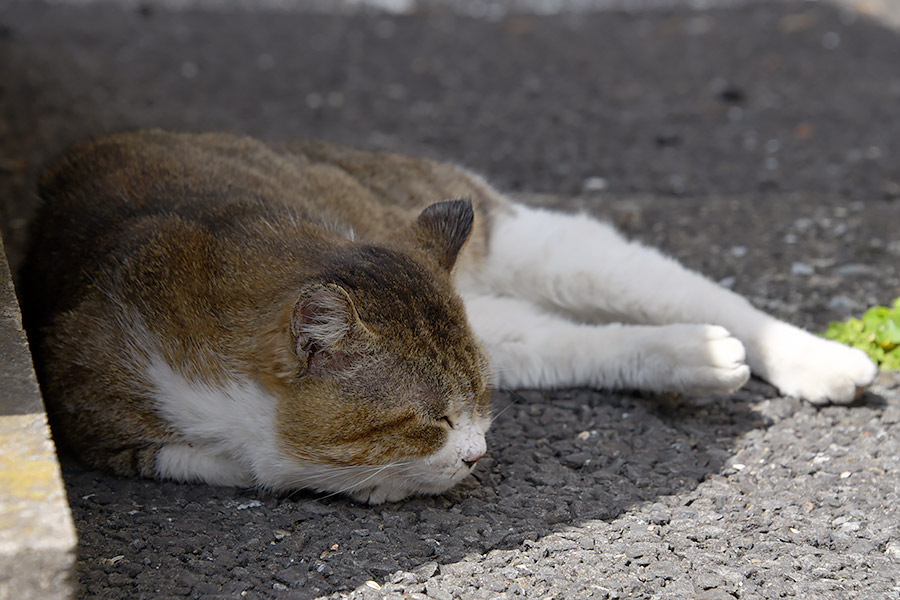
(531, 348)
(584, 269)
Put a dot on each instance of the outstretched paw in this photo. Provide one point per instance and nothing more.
(706, 359)
(817, 370)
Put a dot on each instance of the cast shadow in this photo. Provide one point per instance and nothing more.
(556, 460)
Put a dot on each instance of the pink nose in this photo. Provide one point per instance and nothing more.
(473, 453)
(470, 445)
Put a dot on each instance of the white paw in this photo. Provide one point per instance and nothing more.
(806, 366)
(380, 494)
(702, 359)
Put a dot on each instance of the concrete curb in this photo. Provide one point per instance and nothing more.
(37, 536)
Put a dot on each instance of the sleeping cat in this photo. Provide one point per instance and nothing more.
(210, 308)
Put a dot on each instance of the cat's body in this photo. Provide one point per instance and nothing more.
(208, 308)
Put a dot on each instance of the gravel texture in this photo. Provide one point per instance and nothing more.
(758, 144)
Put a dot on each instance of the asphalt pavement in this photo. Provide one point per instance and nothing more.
(757, 142)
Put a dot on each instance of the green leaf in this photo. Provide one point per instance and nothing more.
(888, 335)
(875, 316)
(877, 333)
(891, 362)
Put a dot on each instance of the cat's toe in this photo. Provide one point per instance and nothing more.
(725, 351)
(717, 381)
(364, 496)
(846, 373)
(380, 494)
(710, 361)
(734, 378)
(727, 356)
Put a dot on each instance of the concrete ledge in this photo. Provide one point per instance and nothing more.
(37, 536)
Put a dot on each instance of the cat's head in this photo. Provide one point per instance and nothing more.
(390, 396)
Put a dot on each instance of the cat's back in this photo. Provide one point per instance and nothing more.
(105, 200)
(218, 175)
(131, 202)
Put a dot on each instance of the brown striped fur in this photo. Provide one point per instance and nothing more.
(210, 248)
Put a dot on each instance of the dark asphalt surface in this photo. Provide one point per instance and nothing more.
(759, 144)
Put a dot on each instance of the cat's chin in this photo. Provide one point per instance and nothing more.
(371, 484)
(400, 489)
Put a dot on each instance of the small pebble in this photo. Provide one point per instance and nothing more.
(801, 268)
(855, 270)
(850, 527)
(831, 40)
(842, 304)
(660, 518)
(893, 550)
(594, 184)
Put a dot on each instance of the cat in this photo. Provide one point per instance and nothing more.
(206, 307)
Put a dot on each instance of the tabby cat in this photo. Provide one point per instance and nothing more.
(212, 308)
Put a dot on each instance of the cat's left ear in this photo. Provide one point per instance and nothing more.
(443, 228)
(323, 326)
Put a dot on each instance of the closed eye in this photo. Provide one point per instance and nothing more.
(447, 420)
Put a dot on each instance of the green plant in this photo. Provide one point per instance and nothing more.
(877, 333)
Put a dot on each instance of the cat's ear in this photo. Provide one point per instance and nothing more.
(322, 320)
(443, 228)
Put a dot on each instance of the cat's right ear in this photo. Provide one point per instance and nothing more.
(443, 228)
(322, 320)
